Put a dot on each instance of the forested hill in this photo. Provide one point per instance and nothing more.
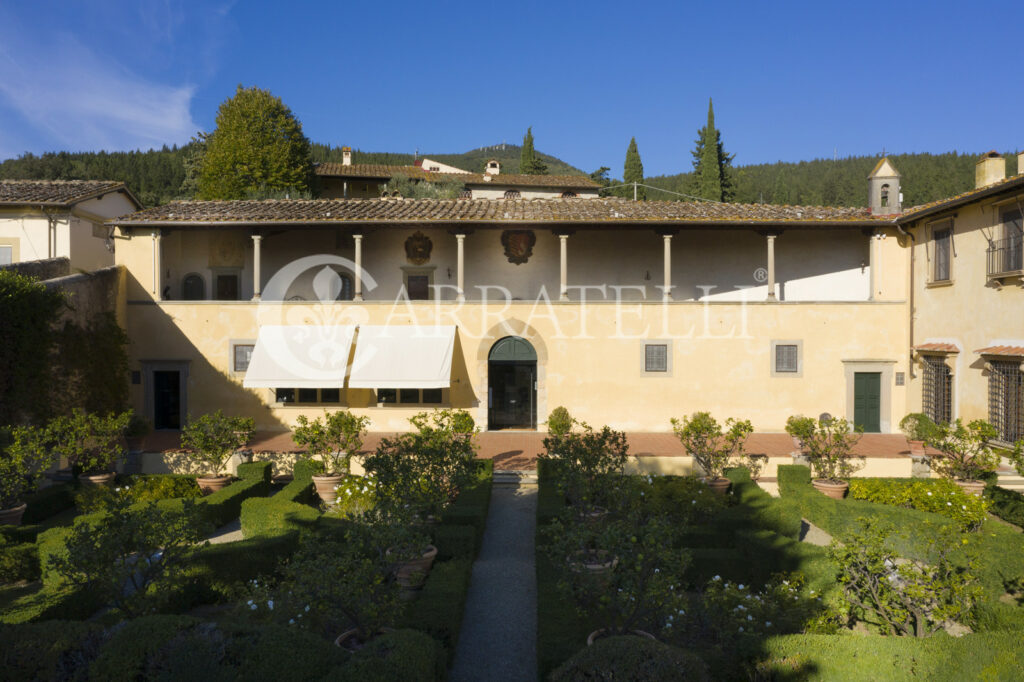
(824, 182)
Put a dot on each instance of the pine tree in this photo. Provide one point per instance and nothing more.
(529, 164)
(712, 166)
(257, 148)
(634, 171)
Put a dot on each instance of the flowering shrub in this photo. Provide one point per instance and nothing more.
(356, 495)
(936, 495)
(729, 611)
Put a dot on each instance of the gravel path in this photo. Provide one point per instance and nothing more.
(498, 640)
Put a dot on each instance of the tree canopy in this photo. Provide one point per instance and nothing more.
(529, 164)
(257, 148)
(634, 171)
(712, 166)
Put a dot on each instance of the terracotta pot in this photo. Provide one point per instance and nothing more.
(97, 479)
(975, 488)
(916, 447)
(12, 516)
(411, 575)
(718, 486)
(595, 514)
(348, 640)
(211, 484)
(594, 562)
(836, 491)
(325, 484)
(598, 634)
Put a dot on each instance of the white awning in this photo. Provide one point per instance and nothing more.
(300, 356)
(403, 357)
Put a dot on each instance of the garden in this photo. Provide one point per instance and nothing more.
(337, 575)
(669, 578)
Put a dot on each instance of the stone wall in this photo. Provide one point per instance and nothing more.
(91, 294)
(48, 268)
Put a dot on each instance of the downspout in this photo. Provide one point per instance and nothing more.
(910, 351)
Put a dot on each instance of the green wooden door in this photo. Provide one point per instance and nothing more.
(867, 401)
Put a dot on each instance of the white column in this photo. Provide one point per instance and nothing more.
(563, 282)
(157, 266)
(771, 267)
(461, 266)
(358, 294)
(257, 241)
(667, 294)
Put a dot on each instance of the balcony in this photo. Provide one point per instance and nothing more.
(1006, 257)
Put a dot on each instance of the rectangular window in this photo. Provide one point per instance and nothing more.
(656, 357)
(937, 387)
(419, 287)
(941, 264)
(6, 255)
(787, 357)
(387, 395)
(227, 288)
(408, 395)
(307, 395)
(1013, 241)
(1006, 400)
(243, 354)
(284, 395)
(330, 395)
(431, 396)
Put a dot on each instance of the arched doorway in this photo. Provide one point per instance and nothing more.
(512, 385)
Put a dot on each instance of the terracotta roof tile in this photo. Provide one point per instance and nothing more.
(1008, 351)
(937, 348)
(384, 172)
(54, 192)
(565, 211)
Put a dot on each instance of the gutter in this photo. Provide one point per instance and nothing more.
(583, 224)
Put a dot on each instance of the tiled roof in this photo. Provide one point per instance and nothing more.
(384, 172)
(583, 211)
(1009, 351)
(54, 192)
(1007, 185)
(937, 348)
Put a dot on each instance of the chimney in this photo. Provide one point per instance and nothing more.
(346, 156)
(493, 167)
(991, 168)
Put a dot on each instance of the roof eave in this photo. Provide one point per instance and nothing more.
(1009, 186)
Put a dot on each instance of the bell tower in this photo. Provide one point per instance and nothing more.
(884, 189)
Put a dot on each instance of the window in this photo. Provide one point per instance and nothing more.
(1006, 255)
(787, 358)
(656, 357)
(512, 194)
(330, 395)
(418, 287)
(227, 287)
(1006, 400)
(242, 356)
(410, 396)
(387, 395)
(193, 288)
(308, 396)
(941, 264)
(6, 255)
(937, 385)
(885, 195)
(466, 194)
(284, 395)
(568, 195)
(431, 396)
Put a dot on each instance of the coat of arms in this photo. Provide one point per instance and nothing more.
(417, 249)
(518, 245)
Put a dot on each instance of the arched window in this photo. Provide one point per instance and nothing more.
(193, 288)
(885, 195)
(568, 195)
(512, 194)
(345, 294)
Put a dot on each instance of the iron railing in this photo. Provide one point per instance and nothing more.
(1006, 256)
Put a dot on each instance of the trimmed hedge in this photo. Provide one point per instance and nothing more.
(52, 602)
(288, 510)
(631, 658)
(405, 655)
(18, 561)
(54, 650)
(1006, 504)
(48, 502)
(438, 609)
(937, 495)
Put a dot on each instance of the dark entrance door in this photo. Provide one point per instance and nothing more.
(512, 385)
(867, 401)
(166, 399)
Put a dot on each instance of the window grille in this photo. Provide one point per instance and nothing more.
(656, 357)
(1006, 400)
(568, 195)
(787, 358)
(243, 354)
(512, 194)
(937, 383)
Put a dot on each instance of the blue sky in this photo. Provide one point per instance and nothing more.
(790, 81)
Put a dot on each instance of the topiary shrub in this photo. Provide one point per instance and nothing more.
(631, 658)
(19, 562)
(406, 655)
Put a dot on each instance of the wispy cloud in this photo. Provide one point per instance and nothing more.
(81, 100)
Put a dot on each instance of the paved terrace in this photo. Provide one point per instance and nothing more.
(518, 450)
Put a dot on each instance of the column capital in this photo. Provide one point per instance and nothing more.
(770, 233)
(666, 232)
(562, 233)
(460, 231)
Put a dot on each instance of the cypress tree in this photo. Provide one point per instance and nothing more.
(711, 164)
(529, 164)
(634, 171)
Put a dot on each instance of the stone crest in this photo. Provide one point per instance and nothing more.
(418, 248)
(518, 245)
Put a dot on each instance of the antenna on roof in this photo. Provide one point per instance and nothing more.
(416, 154)
(835, 153)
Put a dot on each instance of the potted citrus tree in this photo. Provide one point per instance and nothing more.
(210, 440)
(711, 446)
(332, 439)
(590, 464)
(917, 427)
(22, 464)
(91, 443)
(966, 453)
(828, 445)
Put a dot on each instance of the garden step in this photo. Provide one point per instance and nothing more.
(1011, 482)
(514, 477)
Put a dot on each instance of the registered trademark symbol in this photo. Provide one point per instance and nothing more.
(760, 275)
